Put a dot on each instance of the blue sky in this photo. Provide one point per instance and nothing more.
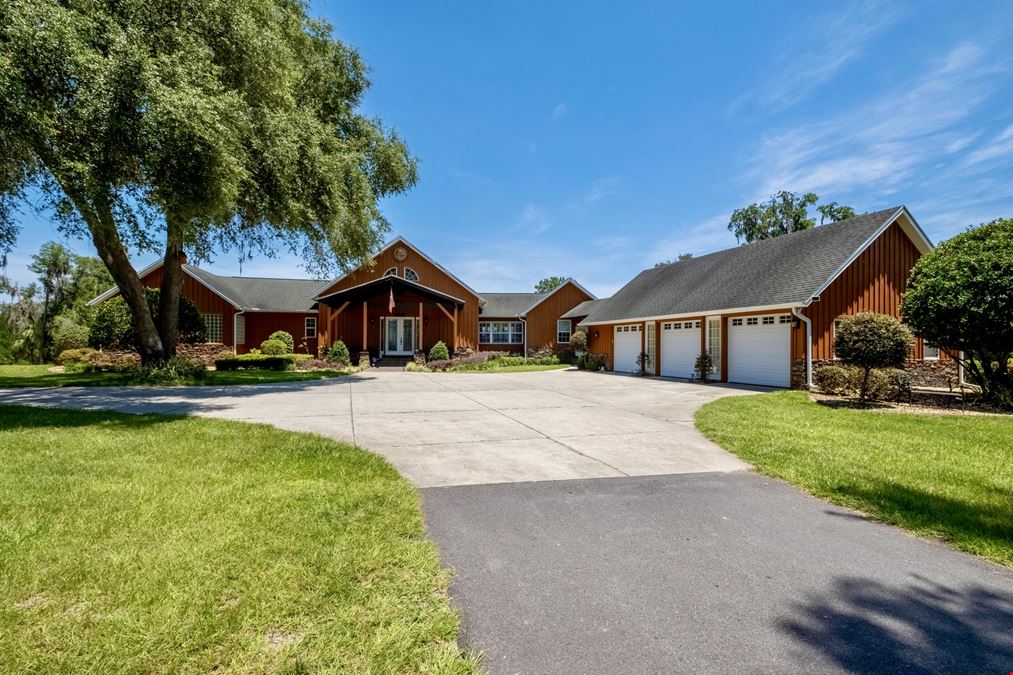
(592, 139)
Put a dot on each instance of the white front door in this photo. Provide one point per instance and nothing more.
(400, 336)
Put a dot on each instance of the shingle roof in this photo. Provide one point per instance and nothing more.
(583, 309)
(503, 305)
(784, 270)
(263, 294)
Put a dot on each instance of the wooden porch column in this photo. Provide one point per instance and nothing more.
(455, 328)
(421, 344)
(453, 321)
(332, 325)
(365, 324)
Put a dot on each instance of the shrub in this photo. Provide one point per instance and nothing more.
(872, 341)
(284, 337)
(112, 324)
(836, 380)
(254, 362)
(578, 341)
(81, 355)
(703, 367)
(884, 384)
(439, 352)
(413, 367)
(176, 369)
(273, 347)
(316, 364)
(225, 354)
(338, 353)
(68, 335)
(592, 362)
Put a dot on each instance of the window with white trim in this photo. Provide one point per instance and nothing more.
(930, 352)
(500, 332)
(736, 322)
(752, 321)
(214, 326)
(310, 327)
(240, 329)
(391, 272)
(784, 318)
(410, 274)
(768, 321)
(563, 330)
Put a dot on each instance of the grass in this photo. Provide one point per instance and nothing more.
(941, 476)
(133, 543)
(39, 376)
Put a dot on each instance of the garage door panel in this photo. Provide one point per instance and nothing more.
(627, 348)
(759, 350)
(680, 345)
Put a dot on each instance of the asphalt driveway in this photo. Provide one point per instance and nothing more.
(592, 529)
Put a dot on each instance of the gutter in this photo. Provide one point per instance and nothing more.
(808, 346)
(525, 322)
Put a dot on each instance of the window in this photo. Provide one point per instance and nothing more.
(214, 324)
(736, 322)
(500, 332)
(768, 321)
(752, 321)
(650, 348)
(930, 352)
(714, 343)
(784, 318)
(410, 274)
(563, 328)
(310, 327)
(240, 329)
(391, 272)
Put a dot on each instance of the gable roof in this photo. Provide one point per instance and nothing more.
(519, 304)
(261, 294)
(788, 270)
(401, 240)
(255, 294)
(503, 305)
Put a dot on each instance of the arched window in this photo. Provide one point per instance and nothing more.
(392, 272)
(410, 274)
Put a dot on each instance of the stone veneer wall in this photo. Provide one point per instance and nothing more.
(923, 373)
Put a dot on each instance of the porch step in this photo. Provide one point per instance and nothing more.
(394, 362)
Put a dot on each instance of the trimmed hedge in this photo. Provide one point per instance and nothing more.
(255, 362)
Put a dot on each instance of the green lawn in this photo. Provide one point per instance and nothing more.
(945, 476)
(165, 544)
(39, 376)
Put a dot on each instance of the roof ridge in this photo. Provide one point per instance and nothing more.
(237, 276)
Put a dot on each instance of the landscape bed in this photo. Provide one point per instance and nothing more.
(941, 476)
(146, 543)
(44, 376)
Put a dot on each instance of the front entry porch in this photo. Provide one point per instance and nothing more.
(391, 317)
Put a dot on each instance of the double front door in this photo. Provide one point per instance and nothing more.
(400, 335)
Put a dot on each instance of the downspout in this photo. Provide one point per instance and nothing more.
(525, 322)
(235, 334)
(808, 346)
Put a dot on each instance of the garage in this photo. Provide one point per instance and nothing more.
(759, 350)
(627, 346)
(680, 345)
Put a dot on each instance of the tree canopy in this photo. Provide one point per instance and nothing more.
(192, 125)
(960, 297)
(549, 284)
(681, 256)
(783, 213)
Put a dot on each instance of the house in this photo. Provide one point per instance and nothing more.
(765, 311)
(404, 302)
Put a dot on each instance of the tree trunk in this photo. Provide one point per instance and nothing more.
(865, 387)
(172, 288)
(110, 248)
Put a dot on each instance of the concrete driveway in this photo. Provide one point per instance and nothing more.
(460, 429)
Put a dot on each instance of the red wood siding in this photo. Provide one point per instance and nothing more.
(874, 282)
(207, 301)
(542, 319)
(260, 325)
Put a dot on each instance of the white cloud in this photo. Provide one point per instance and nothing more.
(817, 51)
(701, 238)
(532, 220)
(559, 111)
(999, 147)
(601, 188)
(877, 145)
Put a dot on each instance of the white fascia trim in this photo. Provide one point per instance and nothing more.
(116, 289)
(402, 240)
(553, 291)
(406, 281)
(692, 315)
(921, 242)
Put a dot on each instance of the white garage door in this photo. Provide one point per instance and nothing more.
(627, 349)
(759, 350)
(680, 345)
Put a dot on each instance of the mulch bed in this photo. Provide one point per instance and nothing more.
(923, 405)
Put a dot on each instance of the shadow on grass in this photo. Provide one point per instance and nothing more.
(16, 417)
(866, 626)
